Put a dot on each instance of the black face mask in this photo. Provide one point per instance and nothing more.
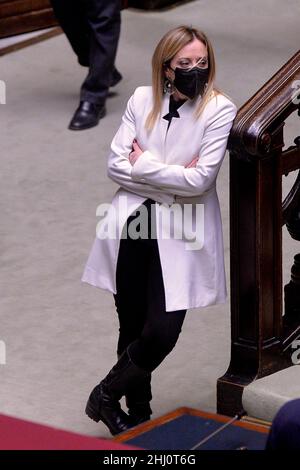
(190, 83)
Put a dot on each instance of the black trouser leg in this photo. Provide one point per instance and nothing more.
(104, 19)
(145, 327)
(138, 399)
(71, 15)
(129, 301)
(161, 329)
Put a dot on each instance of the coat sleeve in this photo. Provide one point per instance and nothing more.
(192, 181)
(119, 167)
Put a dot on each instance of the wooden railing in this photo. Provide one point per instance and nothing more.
(262, 334)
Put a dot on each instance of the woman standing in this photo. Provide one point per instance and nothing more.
(165, 156)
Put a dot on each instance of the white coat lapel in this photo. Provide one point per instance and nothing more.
(184, 111)
(181, 131)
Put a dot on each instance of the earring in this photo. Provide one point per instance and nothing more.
(168, 87)
(204, 88)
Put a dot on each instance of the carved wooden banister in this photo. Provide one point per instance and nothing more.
(261, 335)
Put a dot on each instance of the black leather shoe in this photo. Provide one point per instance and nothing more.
(87, 115)
(103, 403)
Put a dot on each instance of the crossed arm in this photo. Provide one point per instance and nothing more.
(153, 176)
(119, 166)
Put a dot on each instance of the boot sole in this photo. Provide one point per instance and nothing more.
(92, 414)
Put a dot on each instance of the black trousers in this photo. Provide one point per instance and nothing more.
(149, 332)
(93, 29)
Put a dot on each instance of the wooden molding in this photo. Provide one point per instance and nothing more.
(29, 42)
(148, 425)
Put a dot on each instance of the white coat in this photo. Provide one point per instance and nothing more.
(192, 277)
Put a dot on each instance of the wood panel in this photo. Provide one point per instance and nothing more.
(28, 22)
(23, 16)
(17, 7)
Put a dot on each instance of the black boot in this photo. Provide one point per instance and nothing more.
(103, 403)
(138, 401)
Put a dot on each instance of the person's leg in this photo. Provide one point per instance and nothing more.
(157, 334)
(104, 19)
(103, 402)
(71, 16)
(162, 328)
(130, 299)
(285, 430)
(131, 306)
(158, 338)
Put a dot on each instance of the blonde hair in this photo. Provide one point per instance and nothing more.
(169, 45)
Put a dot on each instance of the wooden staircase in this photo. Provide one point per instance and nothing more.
(262, 335)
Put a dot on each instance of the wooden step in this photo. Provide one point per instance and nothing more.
(184, 428)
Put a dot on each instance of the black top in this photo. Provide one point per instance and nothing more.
(173, 106)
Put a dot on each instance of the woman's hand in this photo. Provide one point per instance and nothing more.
(136, 152)
(193, 163)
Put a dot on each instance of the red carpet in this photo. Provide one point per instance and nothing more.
(17, 434)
